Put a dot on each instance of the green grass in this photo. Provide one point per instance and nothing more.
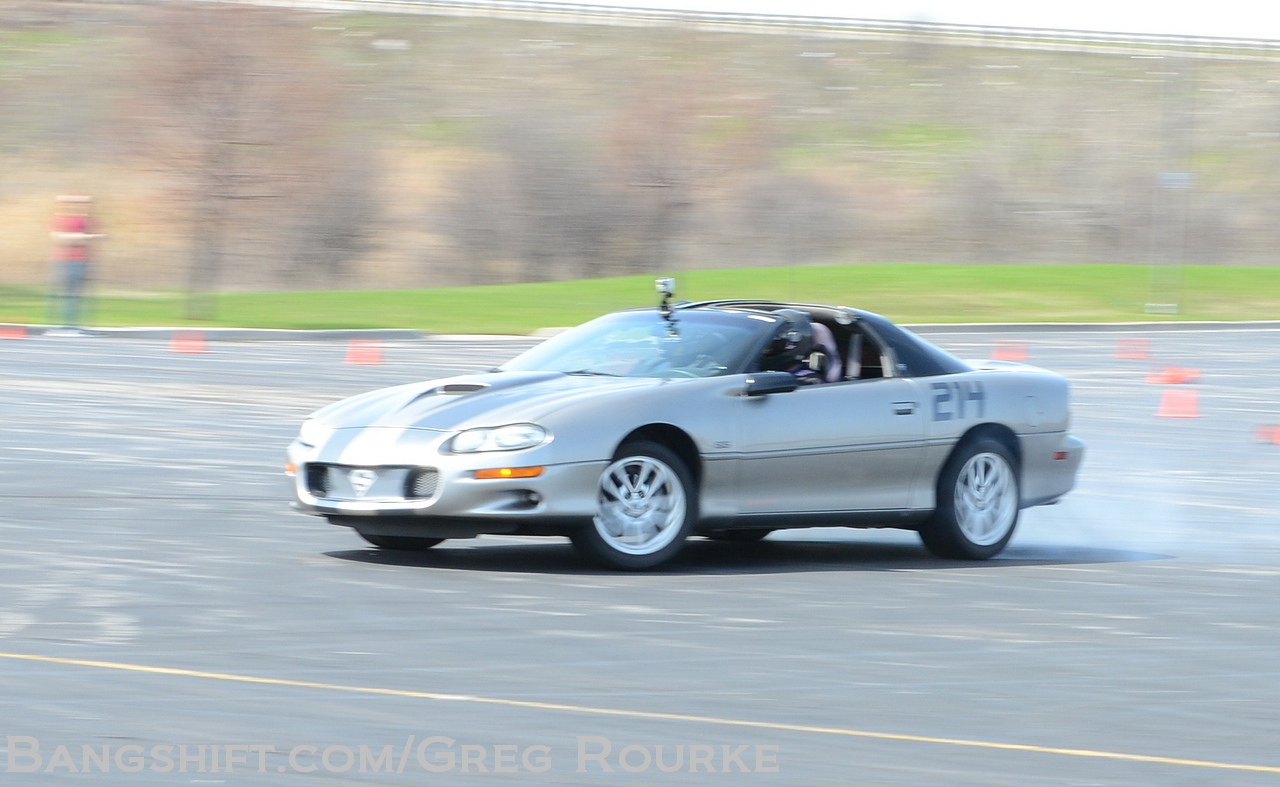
(916, 135)
(906, 293)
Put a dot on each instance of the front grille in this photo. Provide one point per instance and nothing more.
(422, 483)
(344, 482)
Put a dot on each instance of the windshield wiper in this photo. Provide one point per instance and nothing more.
(592, 373)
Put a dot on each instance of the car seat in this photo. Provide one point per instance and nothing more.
(863, 358)
(824, 344)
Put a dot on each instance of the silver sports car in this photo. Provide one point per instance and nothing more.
(726, 419)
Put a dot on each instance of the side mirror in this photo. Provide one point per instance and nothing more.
(762, 383)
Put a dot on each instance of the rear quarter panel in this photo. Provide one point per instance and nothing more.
(1032, 403)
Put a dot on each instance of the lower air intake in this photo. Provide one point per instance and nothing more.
(422, 484)
(318, 480)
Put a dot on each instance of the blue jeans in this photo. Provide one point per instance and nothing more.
(73, 276)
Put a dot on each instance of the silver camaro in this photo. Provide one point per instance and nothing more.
(727, 419)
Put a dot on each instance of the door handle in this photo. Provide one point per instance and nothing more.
(904, 408)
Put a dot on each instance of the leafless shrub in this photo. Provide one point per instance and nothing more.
(478, 217)
(792, 218)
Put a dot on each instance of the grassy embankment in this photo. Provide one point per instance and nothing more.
(906, 293)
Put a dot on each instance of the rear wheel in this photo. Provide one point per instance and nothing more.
(400, 543)
(977, 502)
(646, 504)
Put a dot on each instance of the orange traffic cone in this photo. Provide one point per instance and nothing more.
(191, 342)
(1133, 349)
(1174, 375)
(1268, 434)
(13, 332)
(1178, 403)
(1009, 350)
(364, 352)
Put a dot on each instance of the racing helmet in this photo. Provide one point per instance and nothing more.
(791, 344)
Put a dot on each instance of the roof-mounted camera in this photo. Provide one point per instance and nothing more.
(666, 287)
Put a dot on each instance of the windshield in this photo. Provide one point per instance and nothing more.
(643, 344)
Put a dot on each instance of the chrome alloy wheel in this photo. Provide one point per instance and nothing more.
(640, 505)
(986, 499)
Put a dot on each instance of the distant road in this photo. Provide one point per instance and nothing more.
(1200, 47)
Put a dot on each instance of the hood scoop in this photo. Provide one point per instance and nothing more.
(455, 389)
(448, 389)
(460, 388)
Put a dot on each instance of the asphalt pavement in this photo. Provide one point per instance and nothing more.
(165, 618)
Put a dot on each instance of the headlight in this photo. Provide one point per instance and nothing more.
(314, 432)
(500, 438)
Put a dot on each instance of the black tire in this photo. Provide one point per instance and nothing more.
(400, 543)
(741, 536)
(978, 497)
(644, 483)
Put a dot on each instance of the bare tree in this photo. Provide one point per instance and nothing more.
(331, 211)
(240, 107)
(537, 196)
(657, 162)
(669, 145)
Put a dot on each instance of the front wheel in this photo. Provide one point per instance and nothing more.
(400, 543)
(977, 506)
(646, 504)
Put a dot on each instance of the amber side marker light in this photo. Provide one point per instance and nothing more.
(509, 472)
(290, 469)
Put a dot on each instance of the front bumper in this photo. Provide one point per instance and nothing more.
(561, 492)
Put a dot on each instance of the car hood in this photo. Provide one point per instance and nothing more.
(475, 400)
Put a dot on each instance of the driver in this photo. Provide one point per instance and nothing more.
(797, 347)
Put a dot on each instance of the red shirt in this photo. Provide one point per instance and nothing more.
(70, 251)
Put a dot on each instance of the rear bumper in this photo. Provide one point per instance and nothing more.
(1050, 463)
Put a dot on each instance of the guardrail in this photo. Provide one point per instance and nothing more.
(830, 27)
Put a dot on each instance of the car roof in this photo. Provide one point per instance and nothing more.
(918, 357)
(843, 315)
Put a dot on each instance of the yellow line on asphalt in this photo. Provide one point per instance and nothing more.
(639, 714)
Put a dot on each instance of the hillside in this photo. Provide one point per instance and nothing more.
(393, 151)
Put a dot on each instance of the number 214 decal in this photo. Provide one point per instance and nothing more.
(958, 400)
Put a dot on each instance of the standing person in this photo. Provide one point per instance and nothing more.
(72, 231)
